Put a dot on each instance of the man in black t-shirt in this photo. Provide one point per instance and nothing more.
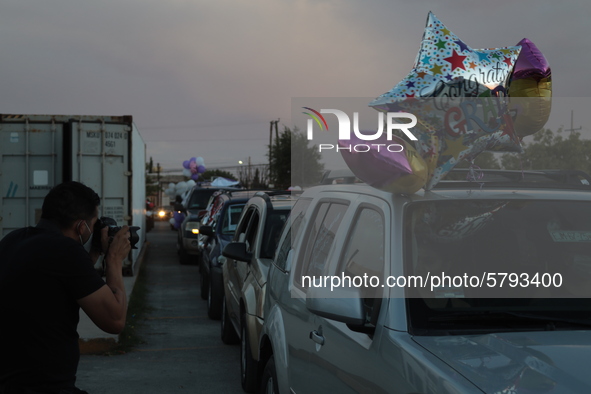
(46, 274)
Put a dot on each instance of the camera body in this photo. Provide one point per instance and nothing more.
(113, 229)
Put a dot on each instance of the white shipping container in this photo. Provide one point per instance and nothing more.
(106, 153)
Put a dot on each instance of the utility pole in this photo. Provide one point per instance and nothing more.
(276, 130)
(572, 123)
(249, 175)
(159, 196)
(271, 144)
(270, 149)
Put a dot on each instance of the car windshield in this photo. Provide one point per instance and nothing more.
(200, 198)
(485, 263)
(230, 219)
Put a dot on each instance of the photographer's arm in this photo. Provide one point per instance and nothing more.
(107, 307)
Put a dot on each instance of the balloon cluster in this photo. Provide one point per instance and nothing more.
(193, 167)
(181, 190)
(466, 101)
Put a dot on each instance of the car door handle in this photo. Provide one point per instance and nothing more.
(316, 337)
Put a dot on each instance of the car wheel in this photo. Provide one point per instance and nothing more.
(204, 283)
(229, 336)
(269, 380)
(214, 306)
(247, 363)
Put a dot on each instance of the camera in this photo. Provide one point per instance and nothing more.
(113, 229)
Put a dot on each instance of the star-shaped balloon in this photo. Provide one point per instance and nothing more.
(459, 97)
(446, 65)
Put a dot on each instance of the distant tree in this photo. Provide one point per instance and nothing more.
(253, 176)
(552, 150)
(305, 169)
(258, 182)
(152, 186)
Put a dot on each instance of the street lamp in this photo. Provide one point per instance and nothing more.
(246, 173)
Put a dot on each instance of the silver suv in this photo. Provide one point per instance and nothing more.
(246, 261)
(514, 316)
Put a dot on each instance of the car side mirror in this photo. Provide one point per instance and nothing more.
(237, 251)
(206, 230)
(343, 304)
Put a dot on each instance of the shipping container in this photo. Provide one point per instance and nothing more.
(106, 153)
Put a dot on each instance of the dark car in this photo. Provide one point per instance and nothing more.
(194, 208)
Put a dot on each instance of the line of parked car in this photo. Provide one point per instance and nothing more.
(255, 249)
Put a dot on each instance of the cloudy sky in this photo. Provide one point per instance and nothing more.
(205, 78)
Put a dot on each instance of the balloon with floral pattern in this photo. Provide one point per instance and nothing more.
(459, 97)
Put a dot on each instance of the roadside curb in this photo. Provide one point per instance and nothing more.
(100, 342)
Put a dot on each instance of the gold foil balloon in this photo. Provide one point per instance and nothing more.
(530, 90)
(393, 166)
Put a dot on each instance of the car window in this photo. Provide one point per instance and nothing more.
(229, 221)
(283, 251)
(200, 198)
(240, 234)
(274, 223)
(322, 234)
(364, 256)
(364, 253)
(529, 245)
(251, 231)
(295, 220)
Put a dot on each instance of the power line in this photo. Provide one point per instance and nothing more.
(195, 126)
(205, 139)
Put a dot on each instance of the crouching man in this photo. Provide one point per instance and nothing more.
(46, 275)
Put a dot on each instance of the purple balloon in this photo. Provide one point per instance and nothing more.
(195, 177)
(178, 219)
(531, 62)
(201, 169)
(377, 168)
(186, 164)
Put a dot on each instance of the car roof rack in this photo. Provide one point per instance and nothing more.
(281, 192)
(267, 196)
(230, 192)
(552, 179)
(267, 199)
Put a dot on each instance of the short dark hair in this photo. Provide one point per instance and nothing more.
(68, 202)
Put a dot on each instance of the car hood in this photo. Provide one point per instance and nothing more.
(518, 362)
(193, 216)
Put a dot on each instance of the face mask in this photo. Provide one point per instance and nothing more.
(88, 245)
